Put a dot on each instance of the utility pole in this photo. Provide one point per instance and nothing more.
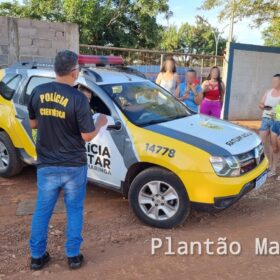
(230, 35)
(217, 38)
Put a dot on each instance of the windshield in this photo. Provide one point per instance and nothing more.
(146, 103)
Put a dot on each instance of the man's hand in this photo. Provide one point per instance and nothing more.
(186, 96)
(193, 88)
(101, 121)
(33, 123)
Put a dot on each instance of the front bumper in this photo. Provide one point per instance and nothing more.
(221, 203)
(220, 192)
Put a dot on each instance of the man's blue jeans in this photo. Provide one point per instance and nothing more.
(50, 181)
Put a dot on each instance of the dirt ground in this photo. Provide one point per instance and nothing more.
(118, 246)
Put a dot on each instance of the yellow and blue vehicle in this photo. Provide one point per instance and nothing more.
(155, 151)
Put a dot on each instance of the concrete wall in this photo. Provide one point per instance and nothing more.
(26, 39)
(248, 77)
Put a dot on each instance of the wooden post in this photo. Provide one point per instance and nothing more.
(161, 60)
(201, 69)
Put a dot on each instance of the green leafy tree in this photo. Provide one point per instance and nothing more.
(261, 11)
(170, 40)
(271, 34)
(124, 23)
(198, 38)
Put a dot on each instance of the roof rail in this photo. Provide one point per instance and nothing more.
(90, 72)
(32, 65)
(129, 70)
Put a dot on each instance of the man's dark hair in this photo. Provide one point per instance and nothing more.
(65, 61)
(276, 76)
(191, 70)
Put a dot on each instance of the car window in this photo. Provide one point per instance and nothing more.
(146, 103)
(96, 103)
(9, 84)
(12, 81)
(34, 82)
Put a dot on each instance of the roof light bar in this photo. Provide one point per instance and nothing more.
(97, 59)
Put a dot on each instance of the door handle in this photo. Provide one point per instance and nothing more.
(116, 126)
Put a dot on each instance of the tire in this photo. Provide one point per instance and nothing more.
(159, 198)
(10, 162)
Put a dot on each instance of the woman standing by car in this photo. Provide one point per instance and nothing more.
(213, 90)
(275, 140)
(269, 104)
(168, 78)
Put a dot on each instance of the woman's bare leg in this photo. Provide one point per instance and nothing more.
(275, 151)
(266, 140)
(278, 142)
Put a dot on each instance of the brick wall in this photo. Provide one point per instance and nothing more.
(26, 39)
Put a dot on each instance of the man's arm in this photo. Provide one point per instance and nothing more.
(31, 112)
(187, 93)
(33, 123)
(85, 122)
(101, 121)
(198, 95)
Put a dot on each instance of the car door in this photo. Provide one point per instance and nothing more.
(106, 164)
(22, 99)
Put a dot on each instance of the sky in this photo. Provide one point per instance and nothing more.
(186, 10)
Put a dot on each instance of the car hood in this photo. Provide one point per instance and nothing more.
(215, 136)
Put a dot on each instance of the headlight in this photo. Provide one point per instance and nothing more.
(226, 166)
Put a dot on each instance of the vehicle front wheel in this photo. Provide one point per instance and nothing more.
(159, 198)
(10, 163)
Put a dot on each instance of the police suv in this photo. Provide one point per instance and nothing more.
(153, 150)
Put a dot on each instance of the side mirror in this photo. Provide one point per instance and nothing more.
(116, 126)
(5, 91)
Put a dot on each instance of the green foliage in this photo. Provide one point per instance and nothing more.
(11, 9)
(122, 23)
(261, 11)
(170, 40)
(271, 34)
(197, 38)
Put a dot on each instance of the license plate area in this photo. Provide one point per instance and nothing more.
(260, 181)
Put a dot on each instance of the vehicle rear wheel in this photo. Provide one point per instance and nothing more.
(10, 163)
(159, 198)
